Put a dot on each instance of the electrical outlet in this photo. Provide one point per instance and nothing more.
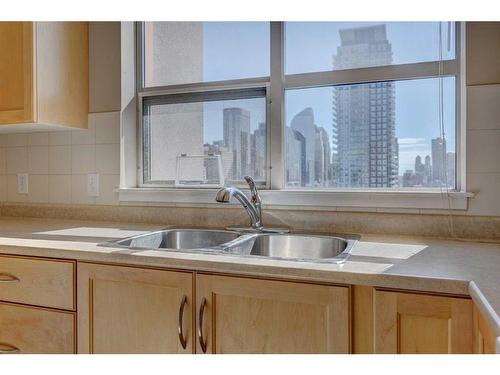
(93, 184)
(22, 183)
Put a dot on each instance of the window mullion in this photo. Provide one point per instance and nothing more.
(276, 123)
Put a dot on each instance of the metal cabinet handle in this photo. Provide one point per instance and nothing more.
(9, 349)
(182, 339)
(203, 343)
(8, 278)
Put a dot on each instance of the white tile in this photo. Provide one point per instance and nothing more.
(60, 189)
(3, 188)
(60, 160)
(38, 139)
(38, 160)
(16, 140)
(3, 161)
(17, 160)
(107, 126)
(83, 159)
(60, 138)
(483, 151)
(108, 159)
(483, 107)
(107, 185)
(38, 190)
(85, 136)
(79, 190)
(3, 140)
(12, 195)
(486, 188)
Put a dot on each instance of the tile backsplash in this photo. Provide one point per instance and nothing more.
(57, 163)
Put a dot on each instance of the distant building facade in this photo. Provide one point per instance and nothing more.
(364, 114)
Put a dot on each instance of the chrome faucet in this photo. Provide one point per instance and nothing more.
(252, 207)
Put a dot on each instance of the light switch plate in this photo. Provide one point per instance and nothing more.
(22, 183)
(93, 184)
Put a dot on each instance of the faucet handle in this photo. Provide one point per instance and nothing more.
(253, 189)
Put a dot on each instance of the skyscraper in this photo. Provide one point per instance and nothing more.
(450, 169)
(303, 122)
(258, 152)
(364, 114)
(236, 132)
(439, 161)
(295, 162)
(322, 157)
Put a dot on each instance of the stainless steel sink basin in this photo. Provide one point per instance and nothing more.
(179, 239)
(297, 246)
(305, 247)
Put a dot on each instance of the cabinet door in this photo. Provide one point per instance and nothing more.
(134, 310)
(16, 72)
(415, 323)
(242, 315)
(33, 330)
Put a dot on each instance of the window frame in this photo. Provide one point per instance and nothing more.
(275, 86)
(208, 88)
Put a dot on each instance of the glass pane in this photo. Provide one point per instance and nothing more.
(235, 129)
(323, 46)
(190, 52)
(373, 135)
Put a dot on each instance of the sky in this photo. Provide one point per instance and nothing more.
(233, 50)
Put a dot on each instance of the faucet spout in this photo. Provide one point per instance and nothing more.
(224, 195)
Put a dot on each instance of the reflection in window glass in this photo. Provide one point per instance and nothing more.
(235, 129)
(373, 135)
(189, 52)
(323, 46)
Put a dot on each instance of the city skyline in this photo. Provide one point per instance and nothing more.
(395, 120)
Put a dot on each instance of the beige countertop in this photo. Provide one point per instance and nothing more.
(424, 264)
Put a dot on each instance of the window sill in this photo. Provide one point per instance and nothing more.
(308, 199)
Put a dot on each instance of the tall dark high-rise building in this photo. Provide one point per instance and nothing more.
(295, 162)
(427, 171)
(364, 114)
(303, 122)
(236, 132)
(258, 152)
(439, 161)
(322, 157)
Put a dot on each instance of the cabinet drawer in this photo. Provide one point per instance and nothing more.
(40, 282)
(33, 330)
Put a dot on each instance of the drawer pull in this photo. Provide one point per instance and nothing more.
(182, 339)
(8, 349)
(8, 278)
(202, 341)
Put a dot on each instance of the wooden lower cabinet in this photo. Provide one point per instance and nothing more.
(483, 337)
(244, 315)
(418, 323)
(35, 330)
(133, 310)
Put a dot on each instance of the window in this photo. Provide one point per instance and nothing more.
(303, 105)
(231, 124)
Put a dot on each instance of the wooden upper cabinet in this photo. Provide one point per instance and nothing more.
(134, 310)
(415, 323)
(244, 315)
(44, 75)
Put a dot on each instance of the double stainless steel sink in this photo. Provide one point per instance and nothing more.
(291, 246)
